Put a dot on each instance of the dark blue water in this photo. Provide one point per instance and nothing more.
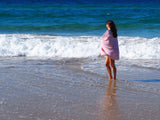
(80, 17)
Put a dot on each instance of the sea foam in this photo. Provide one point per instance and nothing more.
(34, 45)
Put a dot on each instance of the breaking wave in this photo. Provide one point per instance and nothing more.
(34, 45)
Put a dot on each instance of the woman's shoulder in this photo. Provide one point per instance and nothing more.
(109, 32)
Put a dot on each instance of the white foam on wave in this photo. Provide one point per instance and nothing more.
(139, 48)
(75, 46)
(48, 46)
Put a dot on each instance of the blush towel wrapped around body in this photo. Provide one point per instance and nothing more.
(109, 45)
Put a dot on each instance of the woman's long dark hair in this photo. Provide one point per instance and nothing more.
(113, 28)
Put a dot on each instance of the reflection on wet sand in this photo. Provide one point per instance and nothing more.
(109, 105)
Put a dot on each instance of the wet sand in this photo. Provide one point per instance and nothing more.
(49, 89)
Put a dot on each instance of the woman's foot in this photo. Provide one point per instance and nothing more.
(109, 78)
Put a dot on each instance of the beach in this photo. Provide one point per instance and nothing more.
(66, 89)
(50, 67)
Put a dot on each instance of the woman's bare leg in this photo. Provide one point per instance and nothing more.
(112, 63)
(107, 63)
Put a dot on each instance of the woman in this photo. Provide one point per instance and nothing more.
(110, 48)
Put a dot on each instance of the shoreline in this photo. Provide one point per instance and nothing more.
(62, 89)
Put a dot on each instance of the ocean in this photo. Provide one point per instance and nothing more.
(80, 17)
(58, 28)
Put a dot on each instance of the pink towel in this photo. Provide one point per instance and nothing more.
(109, 46)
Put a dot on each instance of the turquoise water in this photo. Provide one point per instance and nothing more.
(79, 17)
